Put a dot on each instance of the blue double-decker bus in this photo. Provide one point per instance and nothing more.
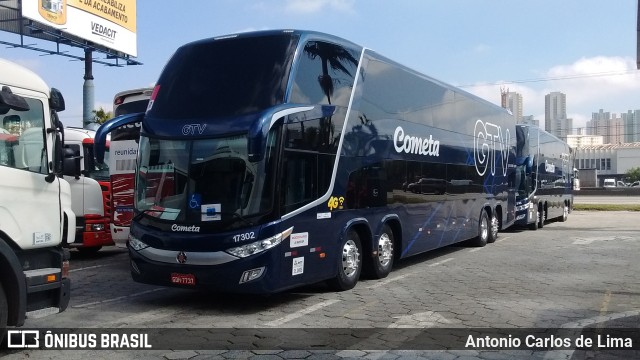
(545, 177)
(275, 159)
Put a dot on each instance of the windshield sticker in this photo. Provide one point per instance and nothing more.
(163, 213)
(298, 266)
(211, 212)
(299, 239)
(195, 200)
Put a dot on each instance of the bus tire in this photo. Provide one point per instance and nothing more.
(483, 230)
(494, 226)
(382, 260)
(565, 212)
(349, 263)
(540, 217)
(534, 225)
(4, 315)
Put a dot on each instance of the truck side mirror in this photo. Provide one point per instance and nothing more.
(71, 163)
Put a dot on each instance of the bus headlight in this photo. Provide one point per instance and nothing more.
(136, 244)
(259, 246)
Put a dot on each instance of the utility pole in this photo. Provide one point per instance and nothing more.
(88, 90)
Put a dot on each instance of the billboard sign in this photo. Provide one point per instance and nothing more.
(110, 23)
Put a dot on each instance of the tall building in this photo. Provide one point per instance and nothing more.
(631, 124)
(555, 115)
(514, 103)
(605, 124)
(576, 141)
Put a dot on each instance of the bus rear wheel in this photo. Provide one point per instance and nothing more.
(382, 260)
(565, 213)
(494, 227)
(484, 229)
(349, 263)
(534, 224)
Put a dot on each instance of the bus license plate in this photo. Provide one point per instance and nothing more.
(183, 279)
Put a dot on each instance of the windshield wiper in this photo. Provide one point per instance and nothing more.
(236, 215)
(147, 211)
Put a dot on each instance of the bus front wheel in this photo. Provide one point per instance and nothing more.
(349, 263)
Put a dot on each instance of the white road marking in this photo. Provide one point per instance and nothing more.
(87, 268)
(141, 318)
(568, 354)
(501, 239)
(589, 240)
(440, 262)
(301, 313)
(387, 281)
(427, 319)
(117, 298)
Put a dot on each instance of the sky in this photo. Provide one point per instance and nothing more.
(585, 49)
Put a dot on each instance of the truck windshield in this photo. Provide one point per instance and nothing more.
(94, 169)
(209, 181)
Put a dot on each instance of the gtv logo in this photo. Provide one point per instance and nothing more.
(489, 141)
(192, 129)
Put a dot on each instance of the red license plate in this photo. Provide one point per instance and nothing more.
(183, 279)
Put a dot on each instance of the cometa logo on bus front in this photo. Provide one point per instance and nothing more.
(414, 144)
(185, 228)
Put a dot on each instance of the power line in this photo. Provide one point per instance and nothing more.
(555, 78)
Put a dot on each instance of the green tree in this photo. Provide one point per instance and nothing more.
(633, 174)
(101, 116)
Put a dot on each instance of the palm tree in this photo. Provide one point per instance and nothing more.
(330, 55)
(101, 116)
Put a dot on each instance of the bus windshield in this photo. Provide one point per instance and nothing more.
(209, 181)
(221, 78)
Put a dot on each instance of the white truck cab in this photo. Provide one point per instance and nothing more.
(36, 219)
(90, 192)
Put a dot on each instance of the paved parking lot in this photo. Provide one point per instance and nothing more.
(567, 278)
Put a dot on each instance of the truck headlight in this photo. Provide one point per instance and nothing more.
(260, 246)
(95, 227)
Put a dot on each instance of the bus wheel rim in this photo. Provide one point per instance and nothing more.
(484, 228)
(385, 250)
(350, 258)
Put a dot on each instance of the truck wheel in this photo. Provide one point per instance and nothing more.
(381, 263)
(349, 263)
(484, 229)
(4, 314)
(540, 218)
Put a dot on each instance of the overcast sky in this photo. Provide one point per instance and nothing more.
(583, 48)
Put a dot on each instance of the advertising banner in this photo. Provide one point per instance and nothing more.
(110, 23)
